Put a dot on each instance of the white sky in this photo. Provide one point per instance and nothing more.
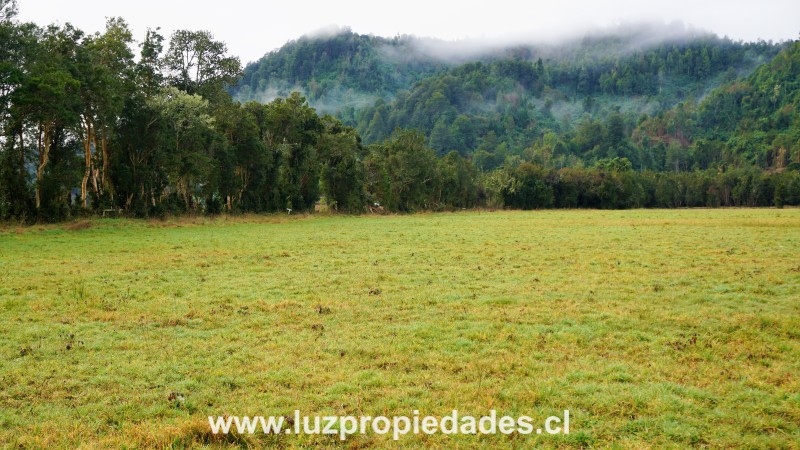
(252, 28)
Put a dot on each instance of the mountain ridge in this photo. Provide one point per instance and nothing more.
(496, 101)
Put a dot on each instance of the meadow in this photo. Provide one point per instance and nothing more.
(655, 328)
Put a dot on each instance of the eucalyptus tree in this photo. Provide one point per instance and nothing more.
(105, 70)
(198, 64)
(48, 98)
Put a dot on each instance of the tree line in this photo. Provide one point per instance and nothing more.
(88, 127)
(614, 185)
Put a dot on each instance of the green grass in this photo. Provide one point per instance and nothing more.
(656, 329)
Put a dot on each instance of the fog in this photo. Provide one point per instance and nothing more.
(252, 29)
(618, 39)
(331, 102)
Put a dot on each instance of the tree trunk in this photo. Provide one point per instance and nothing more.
(104, 181)
(87, 153)
(21, 150)
(45, 141)
(95, 170)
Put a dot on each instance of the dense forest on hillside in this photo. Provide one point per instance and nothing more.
(336, 71)
(501, 99)
(89, 127)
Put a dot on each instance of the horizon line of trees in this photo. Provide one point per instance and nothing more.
(89, 127)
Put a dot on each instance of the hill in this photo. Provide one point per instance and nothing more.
(752, 120)
(337, 70)
(495, 99)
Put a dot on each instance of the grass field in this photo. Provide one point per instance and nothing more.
(656, 329)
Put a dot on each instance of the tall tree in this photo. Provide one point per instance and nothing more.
(50, 95)
(196, 63)
(139, 152)
(18, 45)
(105, 71)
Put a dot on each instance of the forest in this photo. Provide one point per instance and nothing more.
(103, 123)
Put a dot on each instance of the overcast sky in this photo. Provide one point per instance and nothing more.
(252, 28)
